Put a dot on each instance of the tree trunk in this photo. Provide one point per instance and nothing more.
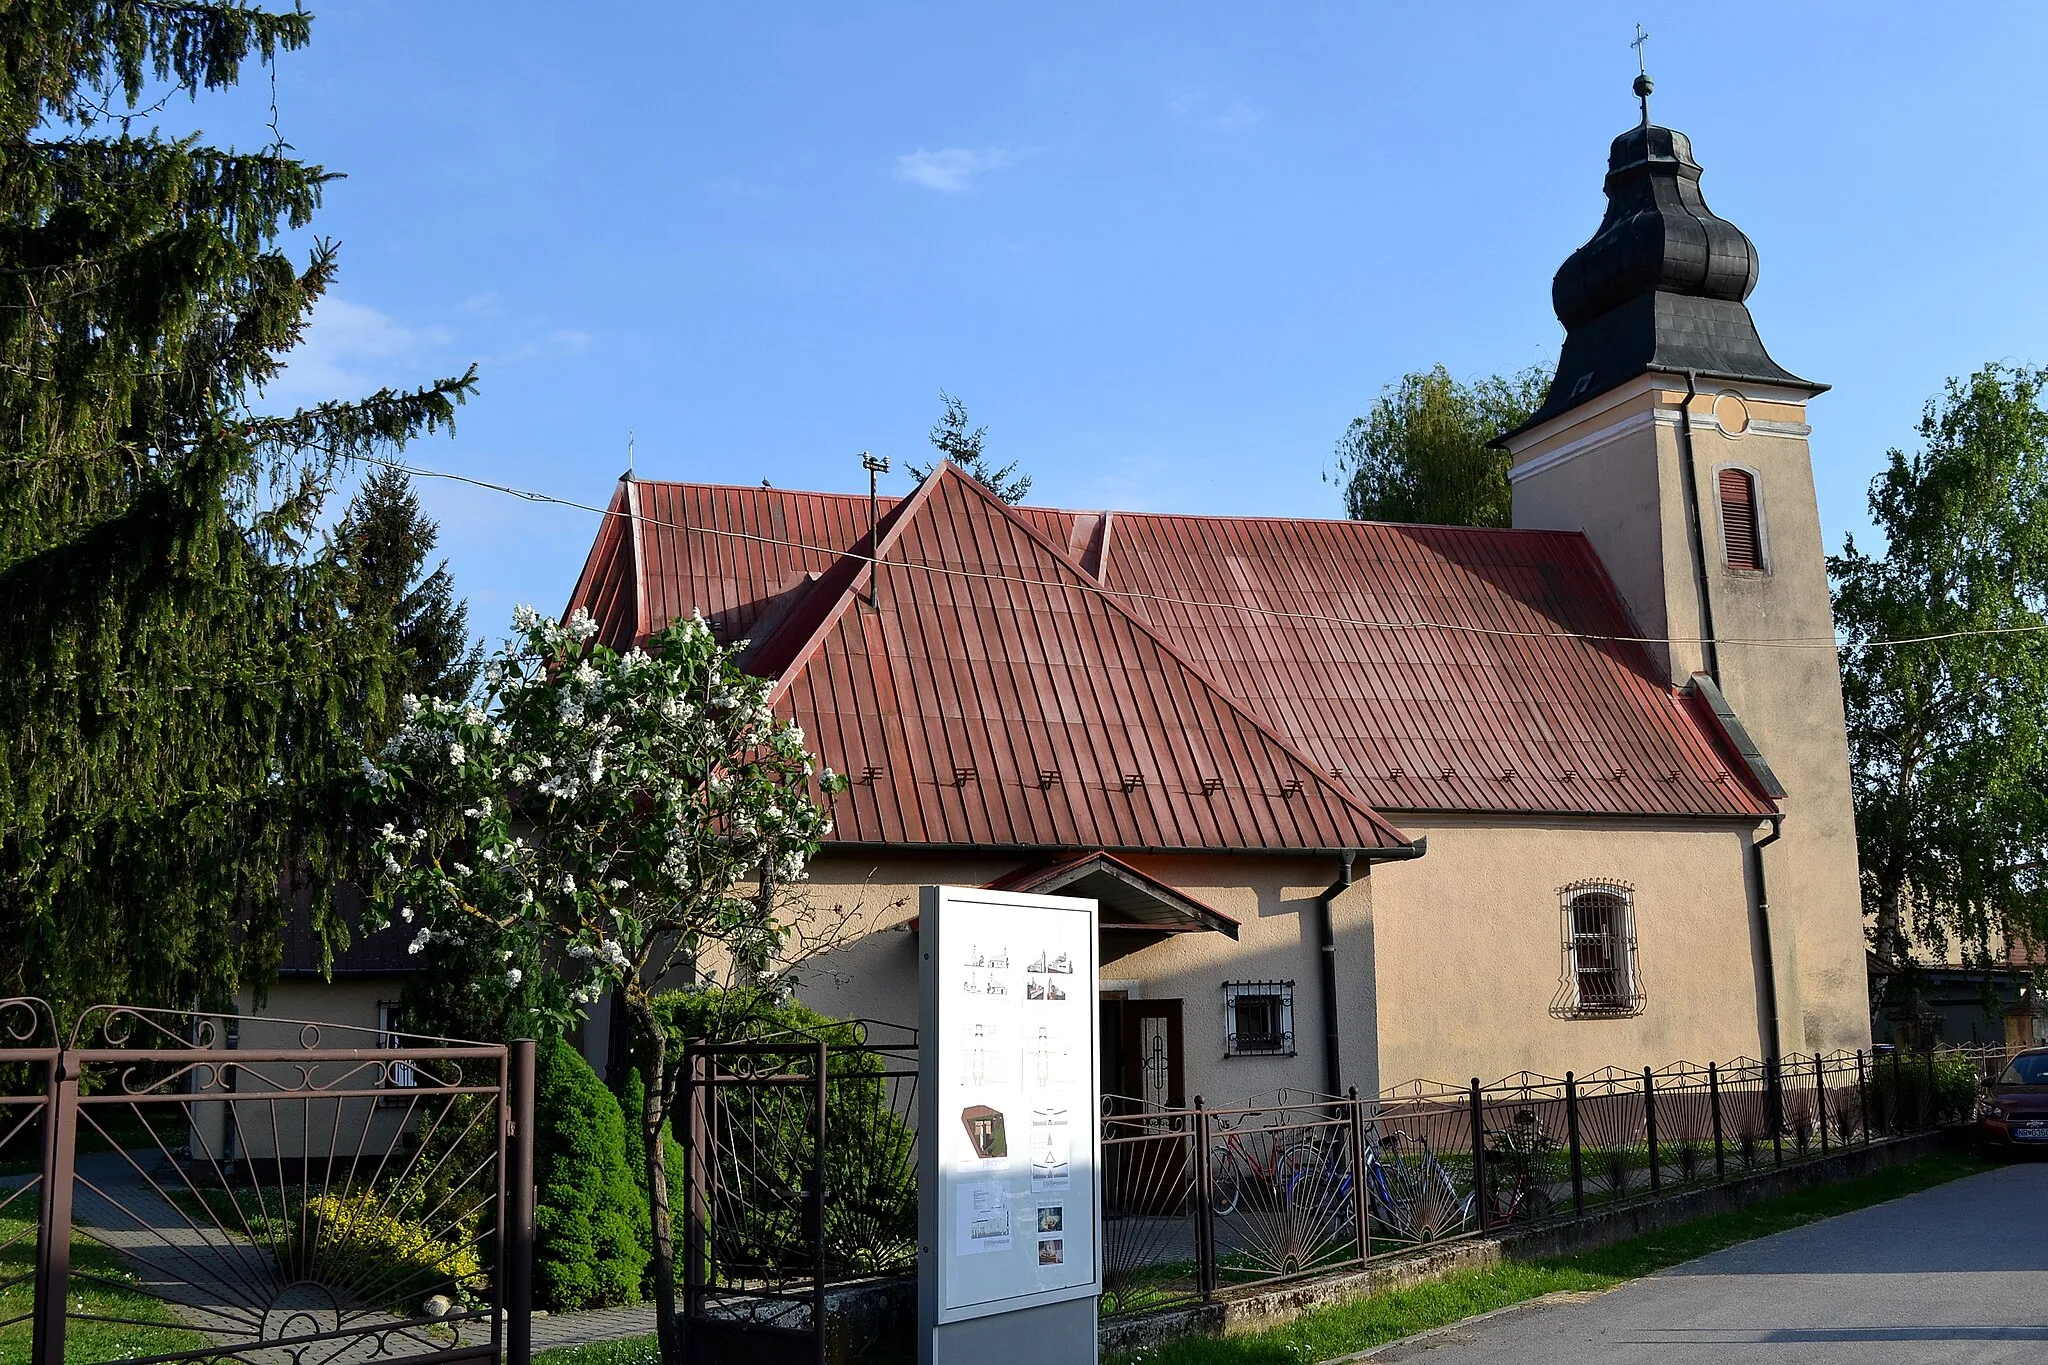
(653, 1116)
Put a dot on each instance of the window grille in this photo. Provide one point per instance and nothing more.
(1600, 978)
(401, 1076)
(1258, 1018)
(1741, 526)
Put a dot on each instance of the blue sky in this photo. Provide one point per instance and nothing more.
(1165, 252)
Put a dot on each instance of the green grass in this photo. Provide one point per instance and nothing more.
(86, 1341)
(631, 1351)
(1380, 1318)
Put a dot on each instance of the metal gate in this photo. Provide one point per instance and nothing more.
(202, 1187)
(800, 1182)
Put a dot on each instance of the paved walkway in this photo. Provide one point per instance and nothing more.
(595, 1324)
(1955, 1273)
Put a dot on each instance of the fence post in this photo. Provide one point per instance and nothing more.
(1650, 1129)
(698, 1100)
(1898, 1105)
(1479, 1195)
(1820, 1098)
(519, 1207)
(1205, 1215)
(1571, 1123)
(821, 1095)
(1714, 1103)
(1774, 1106)
(53, 1222)
(1361, 1193)
(1927, 1115)
(1862, 1098)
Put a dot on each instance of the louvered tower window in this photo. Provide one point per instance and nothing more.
(1741, 527)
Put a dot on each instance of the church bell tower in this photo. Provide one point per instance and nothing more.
(1673, 440)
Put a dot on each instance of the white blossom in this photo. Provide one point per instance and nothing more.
(513, 978)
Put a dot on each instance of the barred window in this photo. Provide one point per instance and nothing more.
(1742, 532)
(1258, 1018)
(1600, 977)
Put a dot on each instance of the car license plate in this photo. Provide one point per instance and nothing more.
(2033, 1130)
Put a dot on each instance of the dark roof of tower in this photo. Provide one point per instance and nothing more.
(1660, 287)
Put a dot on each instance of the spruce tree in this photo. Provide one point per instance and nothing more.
(955, 440)
(184, 688)
(384, 543)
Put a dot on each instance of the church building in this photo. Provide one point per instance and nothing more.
(1362, 803)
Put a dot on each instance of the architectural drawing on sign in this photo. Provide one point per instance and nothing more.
(1048, 991)
(995, 987)
(1049, 1147)
(1062, 965)
(999, 961)
(976, 1071)
(985, 1131)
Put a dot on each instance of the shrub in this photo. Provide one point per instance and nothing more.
(357, 1242)
(870, 1155)
(1951, 1098)
(591, 1249)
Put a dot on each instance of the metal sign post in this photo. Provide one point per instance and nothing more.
(1009, 1153)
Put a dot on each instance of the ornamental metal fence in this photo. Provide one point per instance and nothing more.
(1201, 1201)
(801, 1192)
(181, 1187)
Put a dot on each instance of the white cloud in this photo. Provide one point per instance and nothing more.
(1225, 116)
(950, 170)
(352, 349)
(484, 305)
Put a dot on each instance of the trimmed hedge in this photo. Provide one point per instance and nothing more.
(592, 1215)
(870, 1168)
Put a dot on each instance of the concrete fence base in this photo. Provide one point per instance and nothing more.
(1258, 1308)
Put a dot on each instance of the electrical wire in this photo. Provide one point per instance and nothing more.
(1247, 608)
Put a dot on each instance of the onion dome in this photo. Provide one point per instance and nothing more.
(1660, 287)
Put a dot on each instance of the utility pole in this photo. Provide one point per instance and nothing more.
(875, 466)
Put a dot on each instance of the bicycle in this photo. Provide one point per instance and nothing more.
(1517, 1146)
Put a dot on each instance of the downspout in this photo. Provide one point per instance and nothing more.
(1763, 929)
(1326, 940)
(1710, 653)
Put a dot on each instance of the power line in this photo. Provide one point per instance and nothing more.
(1797, 642)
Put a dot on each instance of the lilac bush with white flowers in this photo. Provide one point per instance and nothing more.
(610, 820)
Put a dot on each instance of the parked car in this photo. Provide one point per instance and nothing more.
(2015, 1113)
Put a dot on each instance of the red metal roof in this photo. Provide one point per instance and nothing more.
(1391, 667)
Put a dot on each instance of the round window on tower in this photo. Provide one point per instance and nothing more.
(1731, 414)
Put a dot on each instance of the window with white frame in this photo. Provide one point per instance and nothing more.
(401, 1075)
(1601, 980)
(1258, 1018)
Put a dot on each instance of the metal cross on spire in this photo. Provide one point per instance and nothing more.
(1643, 86)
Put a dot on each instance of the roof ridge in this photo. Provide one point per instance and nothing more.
(1088, 583)
(897, 500)
(896, 519)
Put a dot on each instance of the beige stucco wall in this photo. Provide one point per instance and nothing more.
(1625, 450)
(1469, 944)
(1272, 898)
(296, 1124)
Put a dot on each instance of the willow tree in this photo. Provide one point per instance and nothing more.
(1948, 738)
(183, 687)
(1423, 453)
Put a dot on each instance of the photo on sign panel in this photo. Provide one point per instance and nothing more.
(1052, 1251)
(985, 1131)
(1052, 1218)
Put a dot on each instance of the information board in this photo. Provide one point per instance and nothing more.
(1009, 1102)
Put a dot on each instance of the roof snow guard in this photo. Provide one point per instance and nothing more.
(1127, 682)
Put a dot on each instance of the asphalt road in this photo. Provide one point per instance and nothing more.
(1955, 1273)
